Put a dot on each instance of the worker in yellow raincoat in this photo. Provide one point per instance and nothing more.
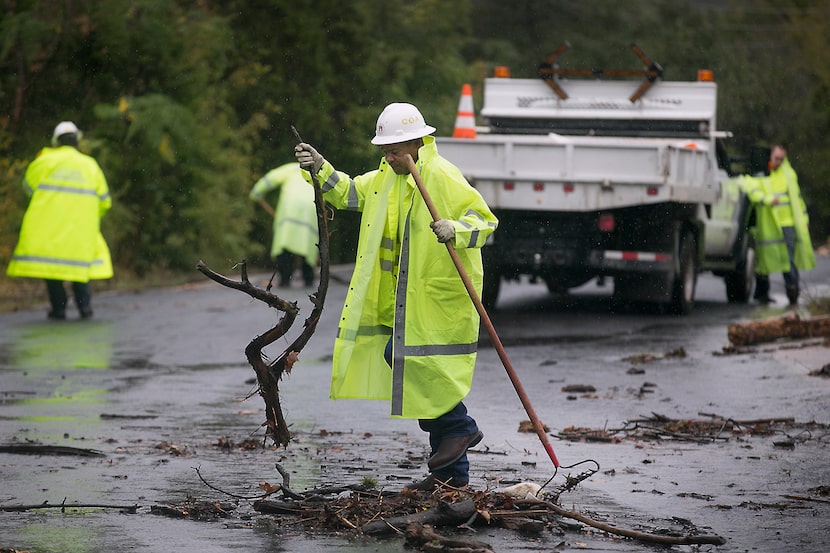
(60, 237)
(295, 221)
(409, 330)
(781, 233)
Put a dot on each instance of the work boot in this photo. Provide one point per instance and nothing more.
(56, 315)
(431, 482)
(792, 294)
(452, 449)
(762, 289)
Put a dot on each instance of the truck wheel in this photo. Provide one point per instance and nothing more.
(739, 282)
(683, 289)
(490, 288)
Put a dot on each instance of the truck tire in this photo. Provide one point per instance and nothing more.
(739, 282)
(490, 288)
(685, 280)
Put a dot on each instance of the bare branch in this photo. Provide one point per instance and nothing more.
(269, 374)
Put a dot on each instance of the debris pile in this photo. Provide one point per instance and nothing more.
(712, 428)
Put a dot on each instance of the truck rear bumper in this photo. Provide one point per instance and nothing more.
(563, 269)
(591, 262)
(613, 261)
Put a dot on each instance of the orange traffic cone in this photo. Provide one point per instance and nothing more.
(465, 121)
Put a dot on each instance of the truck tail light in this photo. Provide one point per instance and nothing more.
(509, 185)
(605, 222)
(538, 186)
(651, 191)
(568, 188)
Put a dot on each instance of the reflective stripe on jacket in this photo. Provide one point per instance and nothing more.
(770, 250)
(295, 217)
(60, 237)
(405, 280)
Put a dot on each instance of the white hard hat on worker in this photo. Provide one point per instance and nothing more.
(398, 132)
(64, 128)
(400, 122)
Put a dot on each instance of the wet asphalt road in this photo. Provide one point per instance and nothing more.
(157, 382)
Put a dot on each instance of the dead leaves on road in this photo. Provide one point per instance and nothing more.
(195, 510)
(643, 358)
(711, 428)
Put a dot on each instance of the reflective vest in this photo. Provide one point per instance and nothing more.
(60, 237)
(790, 210)
(405, 285)
(295, 217)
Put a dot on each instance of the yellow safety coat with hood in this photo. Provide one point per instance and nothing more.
(790, 211)
(60, 237)
(405, 284)
(295, 217)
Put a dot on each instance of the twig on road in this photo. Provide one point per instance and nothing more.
(63, 506)
(634, 534)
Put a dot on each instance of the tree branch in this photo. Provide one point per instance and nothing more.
(269, 374)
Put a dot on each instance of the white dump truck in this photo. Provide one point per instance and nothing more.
(595, 178)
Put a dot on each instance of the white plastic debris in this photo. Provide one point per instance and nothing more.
(522, 490)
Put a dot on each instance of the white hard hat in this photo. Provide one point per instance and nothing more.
(400, 123)
(65, 127)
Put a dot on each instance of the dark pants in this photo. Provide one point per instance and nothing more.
(453, 424)
(286, 261)
(791, 277)
(57, 296)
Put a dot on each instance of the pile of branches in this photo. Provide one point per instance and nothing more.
(711, 428)
(363, 510)
(415, 515)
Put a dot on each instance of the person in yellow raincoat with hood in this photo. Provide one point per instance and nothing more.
(295, 221)
(781, 233)
(60, 237)
(408, 331)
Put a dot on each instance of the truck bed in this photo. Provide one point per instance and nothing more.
(545, 172)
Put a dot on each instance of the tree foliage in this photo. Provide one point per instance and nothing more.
(185, 103)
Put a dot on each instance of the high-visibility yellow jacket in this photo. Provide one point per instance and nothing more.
(789, 211)
(60, 237)
(295, 217)
(406, 285)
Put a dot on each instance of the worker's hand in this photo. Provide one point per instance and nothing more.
(443, 229)
(308, 157)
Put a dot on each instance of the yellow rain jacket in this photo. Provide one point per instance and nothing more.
(295, 217)
(60, 237)
(790, 211)
(405, 284)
